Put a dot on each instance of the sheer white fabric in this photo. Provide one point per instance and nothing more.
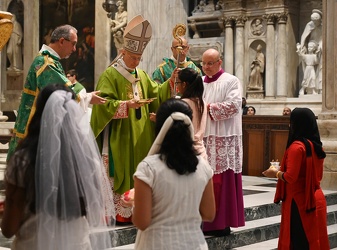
(223, 134)
(69, 181)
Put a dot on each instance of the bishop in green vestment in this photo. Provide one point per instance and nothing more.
(122, 127)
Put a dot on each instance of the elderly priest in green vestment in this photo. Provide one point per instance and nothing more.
(122, 126)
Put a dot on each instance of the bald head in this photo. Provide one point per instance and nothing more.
(176, 42)
(212, 53)
(211, 62)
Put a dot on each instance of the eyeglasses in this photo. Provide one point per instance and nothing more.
(209, 64)
(135, 58)
(72, 42)
(69, 76)
(178, 82)
(183, 47)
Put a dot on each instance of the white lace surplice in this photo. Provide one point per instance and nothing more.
(223, 135)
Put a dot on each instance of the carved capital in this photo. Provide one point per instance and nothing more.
(228, 21)
(240, 20)
(282, 17)
(271, 18)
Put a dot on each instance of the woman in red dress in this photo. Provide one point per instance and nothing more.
(303, 214)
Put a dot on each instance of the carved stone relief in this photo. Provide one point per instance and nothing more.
(199, 46)
(257, 27)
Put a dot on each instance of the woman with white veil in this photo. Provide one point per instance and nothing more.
(57, 194)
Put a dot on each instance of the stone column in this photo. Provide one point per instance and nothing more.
(163, 18)
(240, 51)
(327, 120)
(281, 81)
(103, 41)
(31, 32)
(229, 46)
(270, 57)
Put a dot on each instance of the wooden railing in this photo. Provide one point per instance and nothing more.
(264, 139)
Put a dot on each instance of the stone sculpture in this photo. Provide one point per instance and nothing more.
(310, 61)
(257, 69)
(312, 34)
(118, 24)
(14, 47)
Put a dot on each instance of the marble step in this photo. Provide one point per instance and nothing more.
(254, 231)
(264, 245)
(272, 244)
(265, 229)
(261, 234)
(262, 219)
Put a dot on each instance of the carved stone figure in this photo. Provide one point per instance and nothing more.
(313, 32)
(210, 6)
(200, 7)
(257, 69)
(310, 61)
(257, 27)
(118, 24)
(14, 47)
(118, 39)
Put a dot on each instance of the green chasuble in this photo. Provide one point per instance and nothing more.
(130, 138)
(76, 87)
(164, 71)
(45, 69)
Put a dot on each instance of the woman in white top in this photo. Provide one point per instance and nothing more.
(173, 186)
(191, 88)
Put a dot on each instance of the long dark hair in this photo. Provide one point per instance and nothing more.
(177, 148)
(303, 127)
(25, 153)
(194, 88)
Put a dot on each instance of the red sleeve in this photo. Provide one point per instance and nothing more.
(296, 156)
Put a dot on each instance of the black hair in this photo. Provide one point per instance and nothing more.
(194, 88)
(303, 127)
(252, 108)
(177, 148)
(72, 72)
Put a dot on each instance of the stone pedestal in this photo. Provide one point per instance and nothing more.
(14, 80)
(255, 94)
(328, 132)
(6, 130)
